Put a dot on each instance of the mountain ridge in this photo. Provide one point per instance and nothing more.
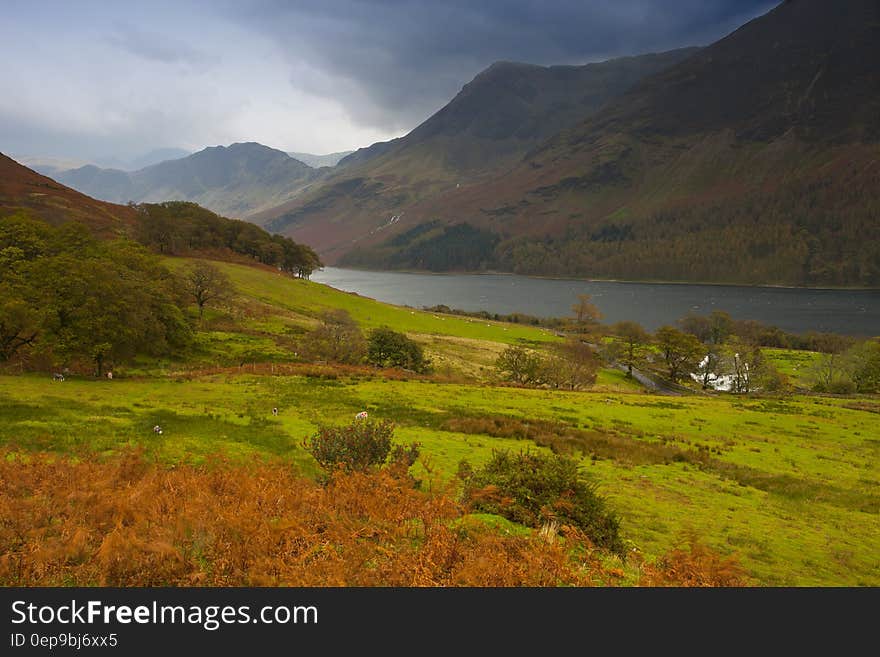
(318, 161)
(495, 119)
(754, 161)
(234, 180)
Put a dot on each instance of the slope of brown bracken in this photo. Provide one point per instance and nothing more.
(24, 189)
(125, 521)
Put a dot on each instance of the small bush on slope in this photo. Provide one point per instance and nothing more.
(360, 446)
(695, 565)
(536, 489)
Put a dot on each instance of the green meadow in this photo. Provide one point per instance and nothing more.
(791, 485)
(797, 365)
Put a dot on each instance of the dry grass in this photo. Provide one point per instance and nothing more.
(694, 565)
(317, 370)
(128, 522)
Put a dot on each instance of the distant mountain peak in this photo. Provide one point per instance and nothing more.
(252, 146)
(234, 180)
(489, 125)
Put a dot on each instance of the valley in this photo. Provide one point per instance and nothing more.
(560, 296)
(786, 484)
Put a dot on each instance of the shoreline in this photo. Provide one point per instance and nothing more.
(759, 286)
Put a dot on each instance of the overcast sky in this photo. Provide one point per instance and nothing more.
(86, 79)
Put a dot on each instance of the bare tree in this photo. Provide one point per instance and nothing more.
(585, 312)
(571, 365)
(205, 283)
(750, 370)
(337, 339)
(708, 367)
(829, 371)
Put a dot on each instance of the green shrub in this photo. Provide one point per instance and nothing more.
(864, 365)
(518, 364)
(534, 489)
(359, 446)
(842, 387)
(387, 348)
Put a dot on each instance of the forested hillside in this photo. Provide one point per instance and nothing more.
(80, 279)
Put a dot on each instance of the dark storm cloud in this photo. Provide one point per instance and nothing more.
(394, 62)
(99, 77)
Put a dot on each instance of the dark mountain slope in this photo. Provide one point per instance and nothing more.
(755, 161)
(808, 65)
(506, 110)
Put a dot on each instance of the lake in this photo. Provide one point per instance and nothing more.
(851, 312)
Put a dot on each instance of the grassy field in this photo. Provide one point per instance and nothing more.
(304, 300)
(271, 311)
(799, 366)
(790, 485)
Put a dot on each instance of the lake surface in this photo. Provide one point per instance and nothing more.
(851, 312)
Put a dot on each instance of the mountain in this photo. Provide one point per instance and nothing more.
(48, 165)
(154, 157)
(318, 161)
(169, 228)
(52, 166)
(496, 118)
(233, 181)
(755, 160)
(112, 185)
(22, 188)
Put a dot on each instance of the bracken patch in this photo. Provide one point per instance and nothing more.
(125, 521)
